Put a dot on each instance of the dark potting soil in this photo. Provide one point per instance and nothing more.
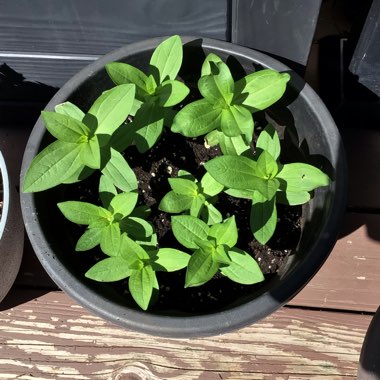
(172, 153)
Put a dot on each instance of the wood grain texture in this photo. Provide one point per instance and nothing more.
(349, 279)
(50, 337)
(97, 27)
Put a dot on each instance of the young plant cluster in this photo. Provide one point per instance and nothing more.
(135, 112)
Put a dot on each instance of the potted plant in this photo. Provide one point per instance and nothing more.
(163, 168)
(11, 229)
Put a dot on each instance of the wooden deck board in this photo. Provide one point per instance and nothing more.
(349, 279)
(51, 337)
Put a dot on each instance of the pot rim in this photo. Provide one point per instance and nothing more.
(200, 325)
(5, 181)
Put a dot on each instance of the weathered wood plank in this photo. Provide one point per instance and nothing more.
(50, 337)
(349, 279)
(97, 26)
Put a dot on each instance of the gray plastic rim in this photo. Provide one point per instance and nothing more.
(192, 326)
(5, 209)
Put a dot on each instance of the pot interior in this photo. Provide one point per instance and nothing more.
(304, 131)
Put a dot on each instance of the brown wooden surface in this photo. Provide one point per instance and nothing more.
(350, 278)
(50, 337)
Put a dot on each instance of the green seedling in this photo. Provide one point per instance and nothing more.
(227, 106)
(140, 265)
(214, 249)
(106, 224)
(197, 198)
(156, 92)
(82, 142)
(265, 181)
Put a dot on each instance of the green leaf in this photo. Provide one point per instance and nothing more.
(142, 212)
(225, 233)
(51, 167)
(221, 255)
(266, 166)
(109, 270)
(137, 104)
(167, 59)
(138, 228)
(175, 203)
(219, 85)
(188, 229)
(107, 190)
(196, 119)
(112, 108)
(83, 212)
(80, 174)
(292, 198)
(211, 214)
(237, 120)
(90, 239)
(131, 251)
(232, 146)
(212, 138)
(243, 268)
(110, 240)
(90, 153)
(210, 186)
(246, 194)
(123, 73)
(269, 141)
(120, 173)
(301, 177)
(261, 89)
(183, 186)
(123, 204)
(70, 109)
(151, 84)
(206, 67)
(123, 137)
(148, 123)
(201, 268)
(170, 260)
(186, 175)
(206, 245)
(263, 219)
(141, 284)
(238, 172)
(170, 93)
(197, 205)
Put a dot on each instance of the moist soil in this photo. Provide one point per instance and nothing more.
(172, 153)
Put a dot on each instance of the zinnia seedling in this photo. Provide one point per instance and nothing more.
(197, 198)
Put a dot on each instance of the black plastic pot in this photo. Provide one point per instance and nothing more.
(308, 125)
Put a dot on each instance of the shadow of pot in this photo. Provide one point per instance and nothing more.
(11, 231)
(311, 130)
(369, 363)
